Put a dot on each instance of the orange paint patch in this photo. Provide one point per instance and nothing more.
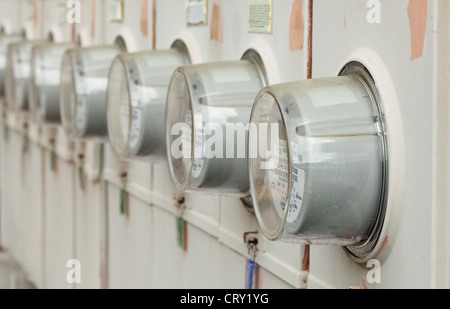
(144, 18)
(35, 13)
(297, 26)
(417, 14)
(216, 24)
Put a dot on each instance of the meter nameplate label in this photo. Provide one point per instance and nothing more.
(197, 12)
(116, 11)
(199, 161)
(81, 113)
(332, 96)
(135, 129)
(230, 75)
(260, 16)
(278, 177)
(125, 117)
(298, 188)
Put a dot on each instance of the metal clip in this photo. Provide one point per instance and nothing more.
(251, 241)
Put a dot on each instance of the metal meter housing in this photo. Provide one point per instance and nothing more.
(84, 83)
(137, 93)
(203, 102)
(325, 181)
(19, 73)
(5, 41)
(45, 81)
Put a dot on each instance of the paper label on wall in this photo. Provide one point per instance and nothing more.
(197, 12)
(260, 16)
(61, 14)
(116, 10)
(135, 129)
(279, 185)
(29, 11)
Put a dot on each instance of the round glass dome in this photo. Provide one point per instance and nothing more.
(318, 171)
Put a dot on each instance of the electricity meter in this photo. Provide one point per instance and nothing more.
(84, 82)
(137, 94)
(44, 82)
(322, 177)
(5, 41)
(208, 110)
(18, 73)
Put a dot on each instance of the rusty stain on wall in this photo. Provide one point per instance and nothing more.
(417, 14)
(385, 243)
(310, 34)
(144, 18)
(216, 24)
(296, 27)
(305, 261)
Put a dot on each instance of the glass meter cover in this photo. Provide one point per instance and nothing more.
(45, 80)
(18, 73)
(208, 109)
(320, 178)
(137, 92)
(84, 83)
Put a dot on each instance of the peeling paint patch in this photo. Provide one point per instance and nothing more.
(296, 27)
(216, 24)
(417, 14)
(144, 18)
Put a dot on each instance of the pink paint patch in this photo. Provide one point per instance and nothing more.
(94, 8)
(296, 28)
(216, 31)
(417, 14)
